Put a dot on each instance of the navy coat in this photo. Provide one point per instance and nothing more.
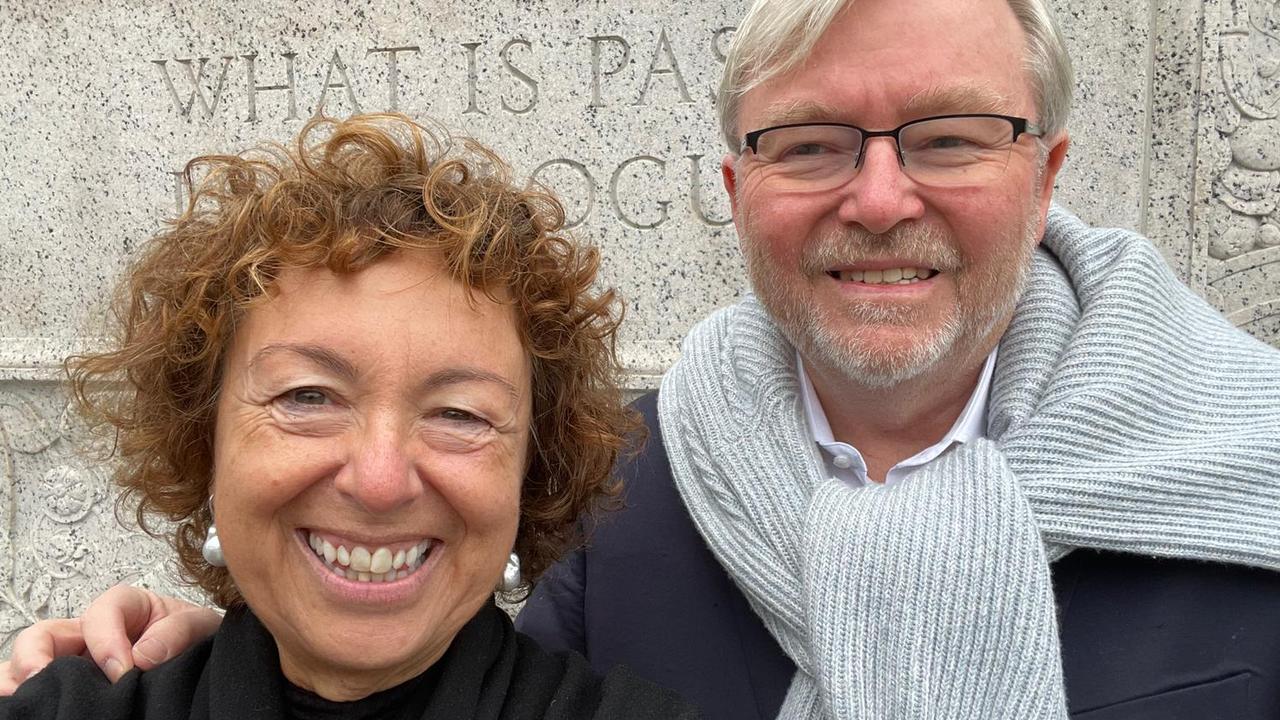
(1142, 638)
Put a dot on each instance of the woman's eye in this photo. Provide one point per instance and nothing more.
(461, 416)
(307, 396)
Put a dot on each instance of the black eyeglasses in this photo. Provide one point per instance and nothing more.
(945, 150)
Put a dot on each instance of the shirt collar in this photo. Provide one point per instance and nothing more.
(969, 426)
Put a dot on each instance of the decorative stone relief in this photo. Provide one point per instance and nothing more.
(1242, 221)
(60, 543)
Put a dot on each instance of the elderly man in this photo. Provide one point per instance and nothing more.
(959, 456)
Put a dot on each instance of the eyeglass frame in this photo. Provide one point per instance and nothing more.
(1021, 126)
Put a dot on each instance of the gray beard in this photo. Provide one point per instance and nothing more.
(825, 340)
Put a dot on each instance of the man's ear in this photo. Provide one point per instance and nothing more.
(1052, 164)
(729, 174)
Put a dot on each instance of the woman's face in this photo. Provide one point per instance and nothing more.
(372, 432)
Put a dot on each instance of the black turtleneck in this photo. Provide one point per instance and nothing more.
(405, 701)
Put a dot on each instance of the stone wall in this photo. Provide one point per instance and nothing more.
(1175, 134)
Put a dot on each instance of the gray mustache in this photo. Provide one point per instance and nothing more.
(922, 245)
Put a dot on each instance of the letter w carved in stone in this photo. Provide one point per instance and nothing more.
(195, 78)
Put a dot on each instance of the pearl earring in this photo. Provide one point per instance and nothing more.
(212, 549)
(511, 577)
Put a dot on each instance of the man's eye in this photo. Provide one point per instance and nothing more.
(948, 142)
(805, 150)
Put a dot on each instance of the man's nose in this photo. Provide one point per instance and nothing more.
(381, 475)
(880, 195)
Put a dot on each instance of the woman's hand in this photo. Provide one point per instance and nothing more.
(123, 628)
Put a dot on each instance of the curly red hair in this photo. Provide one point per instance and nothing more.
(342, 196)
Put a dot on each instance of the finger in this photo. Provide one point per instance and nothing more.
(37, 646)
(171, 635)
(8, 683)
(111, 624)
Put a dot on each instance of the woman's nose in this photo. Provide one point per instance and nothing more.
(380, 475)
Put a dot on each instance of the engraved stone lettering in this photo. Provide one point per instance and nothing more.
(393, 71)
(290, 84)
(561, 192)
(196, 80)
(695, 193)
(179, 191)
(520, 75)
(335, 63)
(663, 205)
(720, 42)
(472, 77)
(597, 73)
(665, 55)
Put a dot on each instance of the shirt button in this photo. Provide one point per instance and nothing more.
(842, 461)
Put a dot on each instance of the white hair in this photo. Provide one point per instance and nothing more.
(776, 35)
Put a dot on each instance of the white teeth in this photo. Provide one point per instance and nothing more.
(364, 565)
(359, 559)
(889, 276)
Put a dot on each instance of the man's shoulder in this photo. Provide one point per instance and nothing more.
(1155, 631)
(649, 494)
(579, 691)
(645, 469)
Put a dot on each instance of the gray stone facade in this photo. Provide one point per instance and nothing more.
(1175, 133)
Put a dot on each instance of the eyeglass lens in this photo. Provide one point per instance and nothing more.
(948, 152)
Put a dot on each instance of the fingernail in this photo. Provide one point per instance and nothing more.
(114, 669)
(151, 650)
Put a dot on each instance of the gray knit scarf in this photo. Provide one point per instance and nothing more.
(1125, 414)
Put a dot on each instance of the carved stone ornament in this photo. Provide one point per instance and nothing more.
(1243, 217)
(60, 542)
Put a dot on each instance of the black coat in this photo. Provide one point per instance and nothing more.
(490, 672)
(1142, 639)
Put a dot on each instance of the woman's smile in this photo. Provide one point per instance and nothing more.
(369, 562)
(342, 581)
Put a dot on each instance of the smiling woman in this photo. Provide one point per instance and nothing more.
(372, 363)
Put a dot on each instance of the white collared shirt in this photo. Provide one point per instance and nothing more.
(843, 460)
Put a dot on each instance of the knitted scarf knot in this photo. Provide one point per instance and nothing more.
(1126, 414)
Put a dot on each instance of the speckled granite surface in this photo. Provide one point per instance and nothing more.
(1175, 133)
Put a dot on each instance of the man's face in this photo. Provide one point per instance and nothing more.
(814, 257)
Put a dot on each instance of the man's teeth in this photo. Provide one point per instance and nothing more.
(364, 565)
(890, 276)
